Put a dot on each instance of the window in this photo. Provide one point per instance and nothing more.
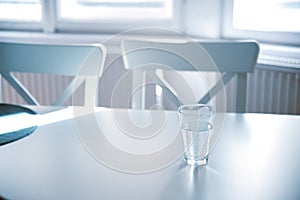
(20, 14)
(265, 20)
(20, 10)
(275, 15)
(87, 15)
(114, 9)
(115, 15)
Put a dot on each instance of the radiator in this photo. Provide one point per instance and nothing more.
(273, 91)
(269, 91)
(45, 88)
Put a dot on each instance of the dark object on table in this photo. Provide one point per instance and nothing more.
(2, 198)
(7, 109)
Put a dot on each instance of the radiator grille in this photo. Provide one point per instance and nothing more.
(272, 91)
(269, 91)
(45, 88)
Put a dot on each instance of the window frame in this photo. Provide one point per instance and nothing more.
(20, 26)
(228, 31)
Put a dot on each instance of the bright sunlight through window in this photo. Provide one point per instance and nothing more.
(267, 15)
(94, 10)
(20, 10)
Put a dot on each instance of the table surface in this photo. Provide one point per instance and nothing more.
(257, 157)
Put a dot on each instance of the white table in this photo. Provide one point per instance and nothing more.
(257, 157)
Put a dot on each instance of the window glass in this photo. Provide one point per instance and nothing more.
(267, 21)
(267, 15)
(20, 10)
(95, 10)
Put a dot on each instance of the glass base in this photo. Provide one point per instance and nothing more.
(197, 162)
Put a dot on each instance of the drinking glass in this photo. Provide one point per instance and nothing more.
(196, 130)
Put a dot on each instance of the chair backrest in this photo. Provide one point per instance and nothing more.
(83, 62)
(230, 58)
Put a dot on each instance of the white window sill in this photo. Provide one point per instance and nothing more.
(280, 57)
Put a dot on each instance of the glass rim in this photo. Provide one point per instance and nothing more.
(189, 107)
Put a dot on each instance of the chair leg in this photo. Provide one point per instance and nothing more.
(20, 88)
(241, 93)
(139, 91)
(0, 88)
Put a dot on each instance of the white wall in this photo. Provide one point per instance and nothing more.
(202, 18)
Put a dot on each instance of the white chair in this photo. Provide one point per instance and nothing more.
(84, 62)
(230, 58)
